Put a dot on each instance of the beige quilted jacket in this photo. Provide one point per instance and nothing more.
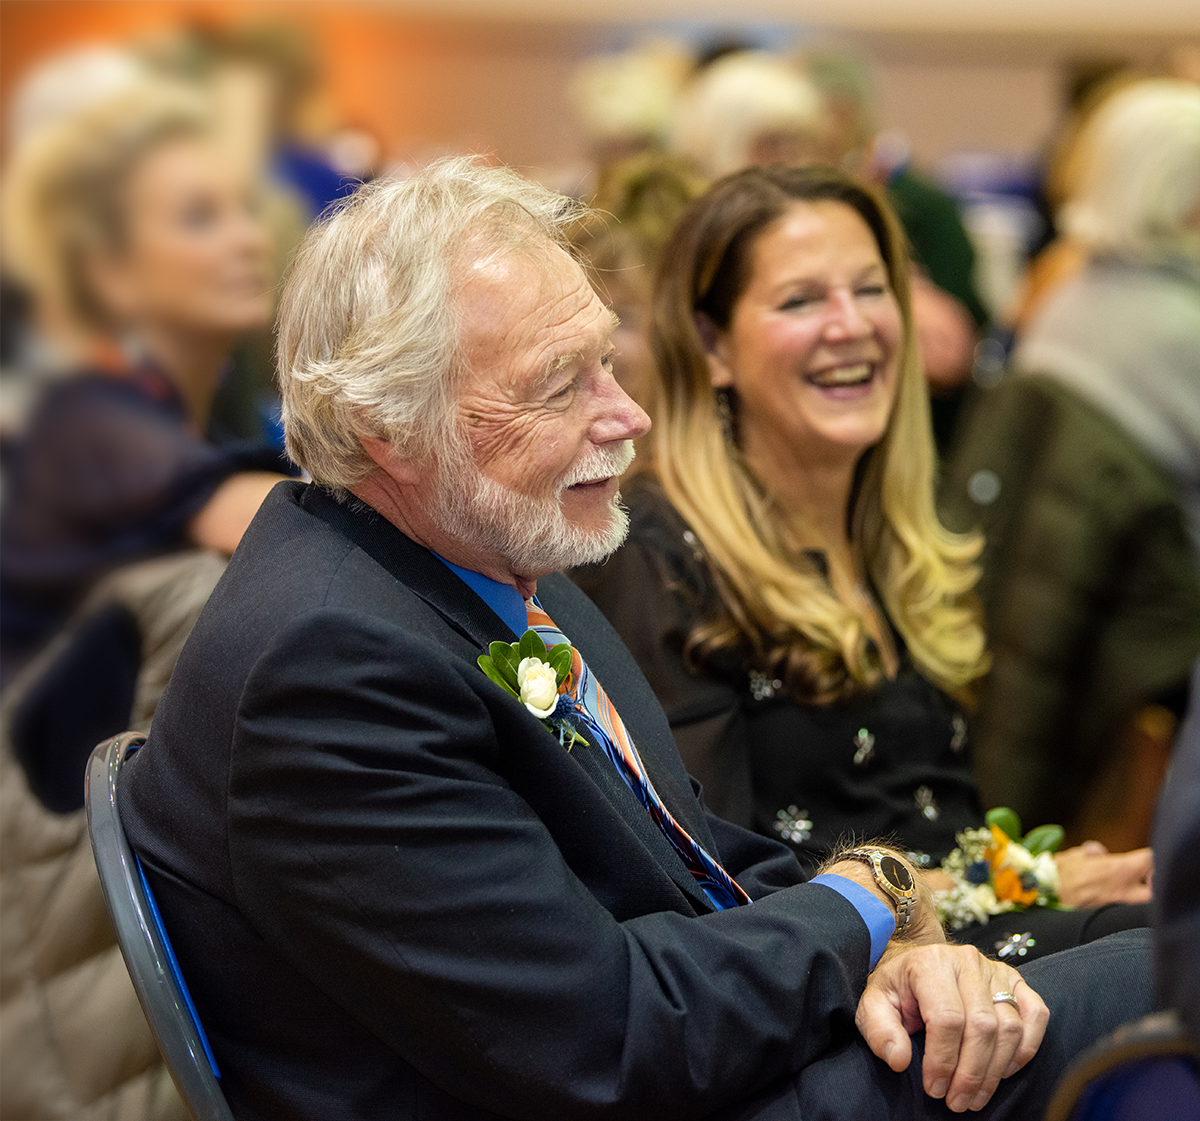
(73, 1042)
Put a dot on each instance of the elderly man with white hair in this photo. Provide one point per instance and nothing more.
(414, 819)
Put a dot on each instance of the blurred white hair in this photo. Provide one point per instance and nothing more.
(739, 99)
(369, 323)
(1139, 171)
(630, 95)
(67, 85)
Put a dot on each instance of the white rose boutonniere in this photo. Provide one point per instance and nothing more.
(538, 686)
(537, 677)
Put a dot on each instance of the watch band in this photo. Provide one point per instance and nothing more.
(893, 876)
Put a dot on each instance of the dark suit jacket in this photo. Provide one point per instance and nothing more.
(395, 894)
(1177, 872)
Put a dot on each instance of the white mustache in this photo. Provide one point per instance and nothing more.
(599, 463)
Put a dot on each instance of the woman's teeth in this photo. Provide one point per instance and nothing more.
(843, 375)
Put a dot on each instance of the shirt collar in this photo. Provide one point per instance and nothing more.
(503, 599)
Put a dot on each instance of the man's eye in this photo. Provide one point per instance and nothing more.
(562, 394)
(609, 361)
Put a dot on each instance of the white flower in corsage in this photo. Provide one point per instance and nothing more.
(996, 869)
(537, 677)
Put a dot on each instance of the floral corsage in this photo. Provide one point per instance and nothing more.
(996, 870)
(537, 677)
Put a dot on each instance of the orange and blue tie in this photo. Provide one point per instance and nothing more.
(594, 712)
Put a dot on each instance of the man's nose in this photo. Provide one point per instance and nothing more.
(619, 417)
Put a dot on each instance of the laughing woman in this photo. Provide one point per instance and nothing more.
(786, 587)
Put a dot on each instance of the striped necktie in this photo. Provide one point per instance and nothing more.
(592, 709)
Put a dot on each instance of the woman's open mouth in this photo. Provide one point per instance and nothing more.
(849, 380)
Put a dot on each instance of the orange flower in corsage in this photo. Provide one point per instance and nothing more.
(996, 870)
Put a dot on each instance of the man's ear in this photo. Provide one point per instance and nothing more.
(403, 470)
(716, 350)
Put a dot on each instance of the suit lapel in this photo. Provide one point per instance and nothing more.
(423, 573)
(413, 565)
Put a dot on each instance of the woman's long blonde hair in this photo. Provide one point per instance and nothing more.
(774, 598)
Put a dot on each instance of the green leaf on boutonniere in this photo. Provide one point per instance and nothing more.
(505, 658)
(560, 660)
(531, 646)
(488, 665)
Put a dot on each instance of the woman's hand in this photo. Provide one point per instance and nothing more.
(1090, 876)
(971, 1042)
(227, 515)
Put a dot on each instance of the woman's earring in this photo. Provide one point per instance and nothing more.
(725, 414)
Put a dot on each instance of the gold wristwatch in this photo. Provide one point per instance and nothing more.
(894, 877)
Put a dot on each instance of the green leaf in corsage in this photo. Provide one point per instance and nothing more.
(1006, 821)
(531, 646)
(1045, 838)
(560, 660)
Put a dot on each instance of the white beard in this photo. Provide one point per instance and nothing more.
(533, 534)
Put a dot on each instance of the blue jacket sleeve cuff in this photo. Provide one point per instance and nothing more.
(881, 923)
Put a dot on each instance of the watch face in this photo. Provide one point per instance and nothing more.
(895, 873)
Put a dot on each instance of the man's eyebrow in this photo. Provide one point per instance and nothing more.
(561, 360)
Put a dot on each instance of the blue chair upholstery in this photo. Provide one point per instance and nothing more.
(144, 944)
(1145, 1069)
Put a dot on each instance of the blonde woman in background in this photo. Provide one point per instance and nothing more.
(787, 587)
(129, 216)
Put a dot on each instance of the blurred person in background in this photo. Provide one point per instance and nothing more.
(1057, 256)
(750, 108)
(786, 587)
(624, 103)
(1083, 469)
(44, 338)
(276, 118)
(638, 199)
(280, 131)
(85, 1048)
(129, 216)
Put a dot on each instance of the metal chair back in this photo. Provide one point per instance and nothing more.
(1146, 1068)
(143, 939)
